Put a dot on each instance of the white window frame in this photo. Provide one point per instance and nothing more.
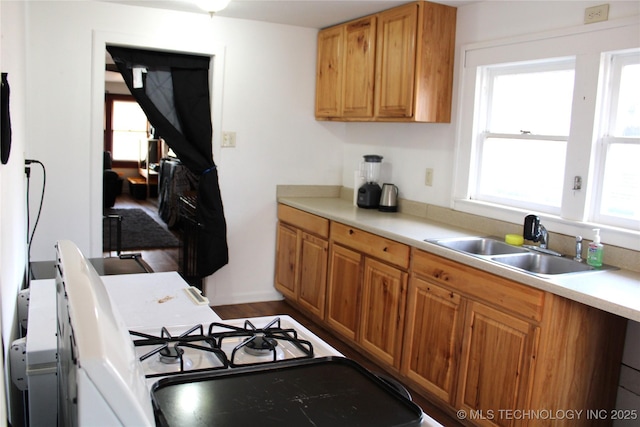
(487, 77)
(587, 44)
(612, 68)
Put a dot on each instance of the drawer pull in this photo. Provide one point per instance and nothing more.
(350, 231)
(384, 249)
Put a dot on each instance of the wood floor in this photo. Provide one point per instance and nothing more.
(282, 307)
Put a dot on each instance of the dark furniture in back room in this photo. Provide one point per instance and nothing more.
(111, 182)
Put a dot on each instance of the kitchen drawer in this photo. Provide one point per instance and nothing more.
(303, 220)
(371, 244)
(519, 299)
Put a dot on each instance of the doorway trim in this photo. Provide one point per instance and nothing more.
(101, 39)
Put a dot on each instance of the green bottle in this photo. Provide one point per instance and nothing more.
(595, 251)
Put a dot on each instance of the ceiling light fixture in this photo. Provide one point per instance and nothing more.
(212, 6)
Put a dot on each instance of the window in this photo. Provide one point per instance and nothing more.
(617, 200)
(550, 124)
(126, 126)
(526, 120)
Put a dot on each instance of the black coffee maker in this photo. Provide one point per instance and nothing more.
(369, 193)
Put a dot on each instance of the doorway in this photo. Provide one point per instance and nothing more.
(164, 259)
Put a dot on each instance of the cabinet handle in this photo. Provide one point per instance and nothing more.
(350, 231)
(384, 249)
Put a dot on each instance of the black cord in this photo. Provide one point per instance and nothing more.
(27, 171)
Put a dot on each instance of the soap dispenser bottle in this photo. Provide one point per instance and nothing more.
(596, 249)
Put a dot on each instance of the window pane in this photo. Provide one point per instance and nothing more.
(128, 115)
(508, 171)
(621, 186)
(129, 128)
(628, 109)
(126, 145)
(537, 102)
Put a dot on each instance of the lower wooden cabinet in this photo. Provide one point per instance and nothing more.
(287, 261)
(366, 289)
(313, 273)
(344, 289)
(498, 354)
(383, 306)
(301, 259)
(492, 347)
(433, 337)
(467, 339)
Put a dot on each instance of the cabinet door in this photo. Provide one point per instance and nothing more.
(433, 336)
(396, 60)
(383, 303)
(343, 299)
(287, 260)
(313, 274)
(359, 65)
(330, 72)
(498, 352)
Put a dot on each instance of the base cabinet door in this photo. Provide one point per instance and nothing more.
(432, 337)
(344, 290)
(301, 259)
(383, 305)
(498, 355)
(312, 282)
(287, 260)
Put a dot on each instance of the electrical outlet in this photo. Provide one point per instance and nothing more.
(228, 139)
(428, 178)
(596, 14)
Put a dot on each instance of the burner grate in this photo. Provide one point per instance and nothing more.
(170, 349)
(259, 341)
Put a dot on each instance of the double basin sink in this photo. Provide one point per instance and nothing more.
(517, 257)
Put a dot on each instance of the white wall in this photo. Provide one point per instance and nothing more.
(12, 184)
(268, 96)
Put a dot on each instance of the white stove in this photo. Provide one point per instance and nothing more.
(123, 338)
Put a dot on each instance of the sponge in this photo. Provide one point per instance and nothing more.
(514, 239)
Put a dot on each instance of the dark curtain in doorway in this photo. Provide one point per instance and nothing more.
(173, 91)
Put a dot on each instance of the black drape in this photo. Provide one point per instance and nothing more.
(5, 120)
(174, 95)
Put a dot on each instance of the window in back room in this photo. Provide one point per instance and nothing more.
(125, 126)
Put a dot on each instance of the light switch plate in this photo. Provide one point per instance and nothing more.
(228, 139)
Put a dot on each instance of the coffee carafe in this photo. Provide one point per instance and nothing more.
(369, 193)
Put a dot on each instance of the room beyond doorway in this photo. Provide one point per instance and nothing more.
(162, 259)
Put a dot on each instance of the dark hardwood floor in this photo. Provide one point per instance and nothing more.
(272, 308)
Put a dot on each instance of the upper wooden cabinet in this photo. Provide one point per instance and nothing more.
(396, 65)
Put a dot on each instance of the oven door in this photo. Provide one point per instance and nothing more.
(325, 391)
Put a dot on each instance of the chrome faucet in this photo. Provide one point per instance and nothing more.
(578, 256)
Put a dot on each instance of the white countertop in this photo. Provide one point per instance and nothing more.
(615, 291)
(156, 299)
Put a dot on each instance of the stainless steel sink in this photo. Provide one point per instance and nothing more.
(480, 246)
(544, 264)
(518, 257)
